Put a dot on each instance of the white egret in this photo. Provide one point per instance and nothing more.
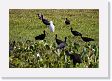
(51, 26)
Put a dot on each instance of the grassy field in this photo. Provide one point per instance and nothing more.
(24, 25)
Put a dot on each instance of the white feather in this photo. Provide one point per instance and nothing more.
(52, 27)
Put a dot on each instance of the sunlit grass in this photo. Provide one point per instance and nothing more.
(24, 25)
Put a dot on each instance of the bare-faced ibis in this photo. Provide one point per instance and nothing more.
(62, 45)
(75, 33)
(76, 58)
(41, 37)
(39, 16)
(45, 21)
(86, 39)
(58, 41)
(67, 22)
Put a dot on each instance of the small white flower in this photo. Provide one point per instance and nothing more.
(38, 55)
(14, 47)
(25, 47)
(41, 59)
(71, 52)
(45, 44)
(93, 50)
(19, 48)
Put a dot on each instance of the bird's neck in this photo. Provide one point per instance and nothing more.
(42, 17)
(56, 37)
(65, 39)
(44, 33)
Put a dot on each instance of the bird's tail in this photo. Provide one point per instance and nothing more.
(92, 40)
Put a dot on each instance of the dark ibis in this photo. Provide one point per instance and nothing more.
(76, 58)
(39, 16)
(62, 45)
(67, 22)
(86, 39)
(45, 21)
(58, 41)
(75, 33)
(41, 37)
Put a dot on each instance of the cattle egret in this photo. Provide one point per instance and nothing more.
(51, 26)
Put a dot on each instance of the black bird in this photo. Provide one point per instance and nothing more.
(62, 45)
(75, 33)
(86, 39)
(41, 37)
(67, 22)
(58, 41)
(11, 46)
(39, 16)
(76, 58)
(45, 21)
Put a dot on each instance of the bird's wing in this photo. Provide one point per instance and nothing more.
(59, 41)
(61, 45)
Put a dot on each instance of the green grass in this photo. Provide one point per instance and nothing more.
(24, 25)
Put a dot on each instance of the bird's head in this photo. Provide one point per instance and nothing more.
(42, 16)
(71, 28)
(38, 14)
(51, 22)
(44, 31)
(65, 39)
(56, 36)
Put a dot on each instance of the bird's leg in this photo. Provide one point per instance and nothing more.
(65, 58)
(58, 52)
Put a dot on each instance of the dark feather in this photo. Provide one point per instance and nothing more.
(58, 41)
(39, 16)
(45, 21)
(67, 22)
(61, 44)
(75, 33)
(11, 46)
(41, 37)
(76, 58)
(86, 39)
